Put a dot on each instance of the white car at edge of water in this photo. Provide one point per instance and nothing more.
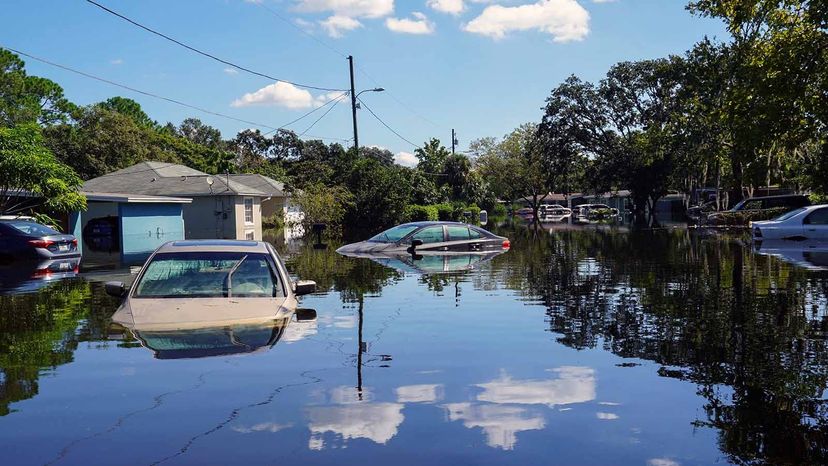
(809, 223)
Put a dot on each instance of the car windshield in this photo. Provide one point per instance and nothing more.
(209, 275)
(790, 214)
(32, 228)
(394, 234)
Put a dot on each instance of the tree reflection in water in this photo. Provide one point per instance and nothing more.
(747, 329)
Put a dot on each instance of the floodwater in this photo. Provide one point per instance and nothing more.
(580, 345)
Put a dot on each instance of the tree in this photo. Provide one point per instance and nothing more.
(28, 99)
(195, 131)
(128, 108)
(432, 157)
(324, 204)
(30, 175)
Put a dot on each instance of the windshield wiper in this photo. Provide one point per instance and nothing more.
(230, 276)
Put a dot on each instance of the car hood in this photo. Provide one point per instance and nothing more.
(184, 313)
(366, 248)
(765, 223)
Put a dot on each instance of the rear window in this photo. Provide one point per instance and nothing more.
(458, 233)
(31, 228)
(209, 275)
(790, 214)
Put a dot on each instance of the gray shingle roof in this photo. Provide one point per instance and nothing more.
(167, 179)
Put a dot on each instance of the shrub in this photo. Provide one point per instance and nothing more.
(417, 213)
(743, 217)
(276, 220)
(445, 212)
(499, 210)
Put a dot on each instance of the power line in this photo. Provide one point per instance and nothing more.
(386, 124)
(208, 55)
(398, 101)
(302, 31)
(336, 101)
(174, 101)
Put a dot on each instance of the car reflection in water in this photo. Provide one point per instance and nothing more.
(29, 276)
(430, 262)
(811, 255)
(204, 342)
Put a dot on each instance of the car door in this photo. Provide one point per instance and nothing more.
(459, 238)
(815, 224)
(433, 238)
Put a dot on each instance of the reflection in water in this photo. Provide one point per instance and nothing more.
(500, 423)
(573, 385)
(426, 393)
(811, 255)
(432, 262)
(377, 422)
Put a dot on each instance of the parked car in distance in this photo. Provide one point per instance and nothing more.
(804, 223)
(701, 210)
(594, 210)
(204, 283)
(422, 237)
(23, 238)
(753, 207)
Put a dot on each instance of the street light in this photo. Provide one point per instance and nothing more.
(354, 107)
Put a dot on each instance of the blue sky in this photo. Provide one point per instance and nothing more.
(482, 67)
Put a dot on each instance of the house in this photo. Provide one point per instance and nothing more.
(216, 207)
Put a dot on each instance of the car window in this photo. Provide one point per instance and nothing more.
(751, 205)
(209, 275)
(790, 214)
(474, 234)
(818, 217)
(32, 228)
(429, 235)
(394, 234)
(458, 233)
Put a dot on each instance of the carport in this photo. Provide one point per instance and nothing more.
(124, 229)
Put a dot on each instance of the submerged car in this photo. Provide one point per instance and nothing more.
(594, 210)
(804, 223)
(201, 283)
(423, 237)
(430, 263)
(23, 238)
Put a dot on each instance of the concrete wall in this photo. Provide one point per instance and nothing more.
(144, 227)
(243, 228)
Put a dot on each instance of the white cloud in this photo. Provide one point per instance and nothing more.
(377, 422)
(574, 385)
(262, 427)
(452, 7)
(117, 61)
(662, 462)
(565, 20)
(406, 159)
(500, 423)
(334, 25)
(606, 416)
(426, 393)
(282, 94)
(419, 24)
(231, 71)
(348, 8)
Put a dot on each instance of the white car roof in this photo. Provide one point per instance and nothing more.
(214, 245)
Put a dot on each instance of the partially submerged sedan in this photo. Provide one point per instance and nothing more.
(804, 223)
(424, 237)
(194, 284)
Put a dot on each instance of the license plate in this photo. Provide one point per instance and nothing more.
(63, 247)
(63, 266)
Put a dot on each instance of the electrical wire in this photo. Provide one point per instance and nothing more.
(302, 31)
(395, 99)
(178, 102)
(208, 55)
(386, 124)
(336, 101)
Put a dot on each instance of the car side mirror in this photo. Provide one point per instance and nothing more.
(305, 315)
(304, 287)
(116, 289)
(414, 244)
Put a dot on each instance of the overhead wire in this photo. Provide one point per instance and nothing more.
(386, 124)
(175, 101)
(206, 54)
(336, 101)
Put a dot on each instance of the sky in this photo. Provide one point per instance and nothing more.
(481, 67)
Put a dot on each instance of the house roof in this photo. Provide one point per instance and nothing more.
(134, 198)
(168, 179)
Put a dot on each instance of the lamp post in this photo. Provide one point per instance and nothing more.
(354, 104)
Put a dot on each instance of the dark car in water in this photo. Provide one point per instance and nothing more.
(23, 238)
(423, 237)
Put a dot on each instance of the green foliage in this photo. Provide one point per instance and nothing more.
(27, 166)
(499, 210)
(417, 213)
(381, 194)
(743, 217)
(324, 204)
(28, 99)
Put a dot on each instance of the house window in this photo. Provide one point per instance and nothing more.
(248, 210)
(249, 235)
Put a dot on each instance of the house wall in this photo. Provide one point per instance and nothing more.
(210, 217)
(145, 227)
(242, 227)
(95, 210)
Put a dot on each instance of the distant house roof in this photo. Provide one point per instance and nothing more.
(168, 179)
(134, 198)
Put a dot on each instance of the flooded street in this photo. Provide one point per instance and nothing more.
(580, 345)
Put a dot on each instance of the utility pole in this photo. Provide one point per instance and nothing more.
(453, 140)
(354, 104)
